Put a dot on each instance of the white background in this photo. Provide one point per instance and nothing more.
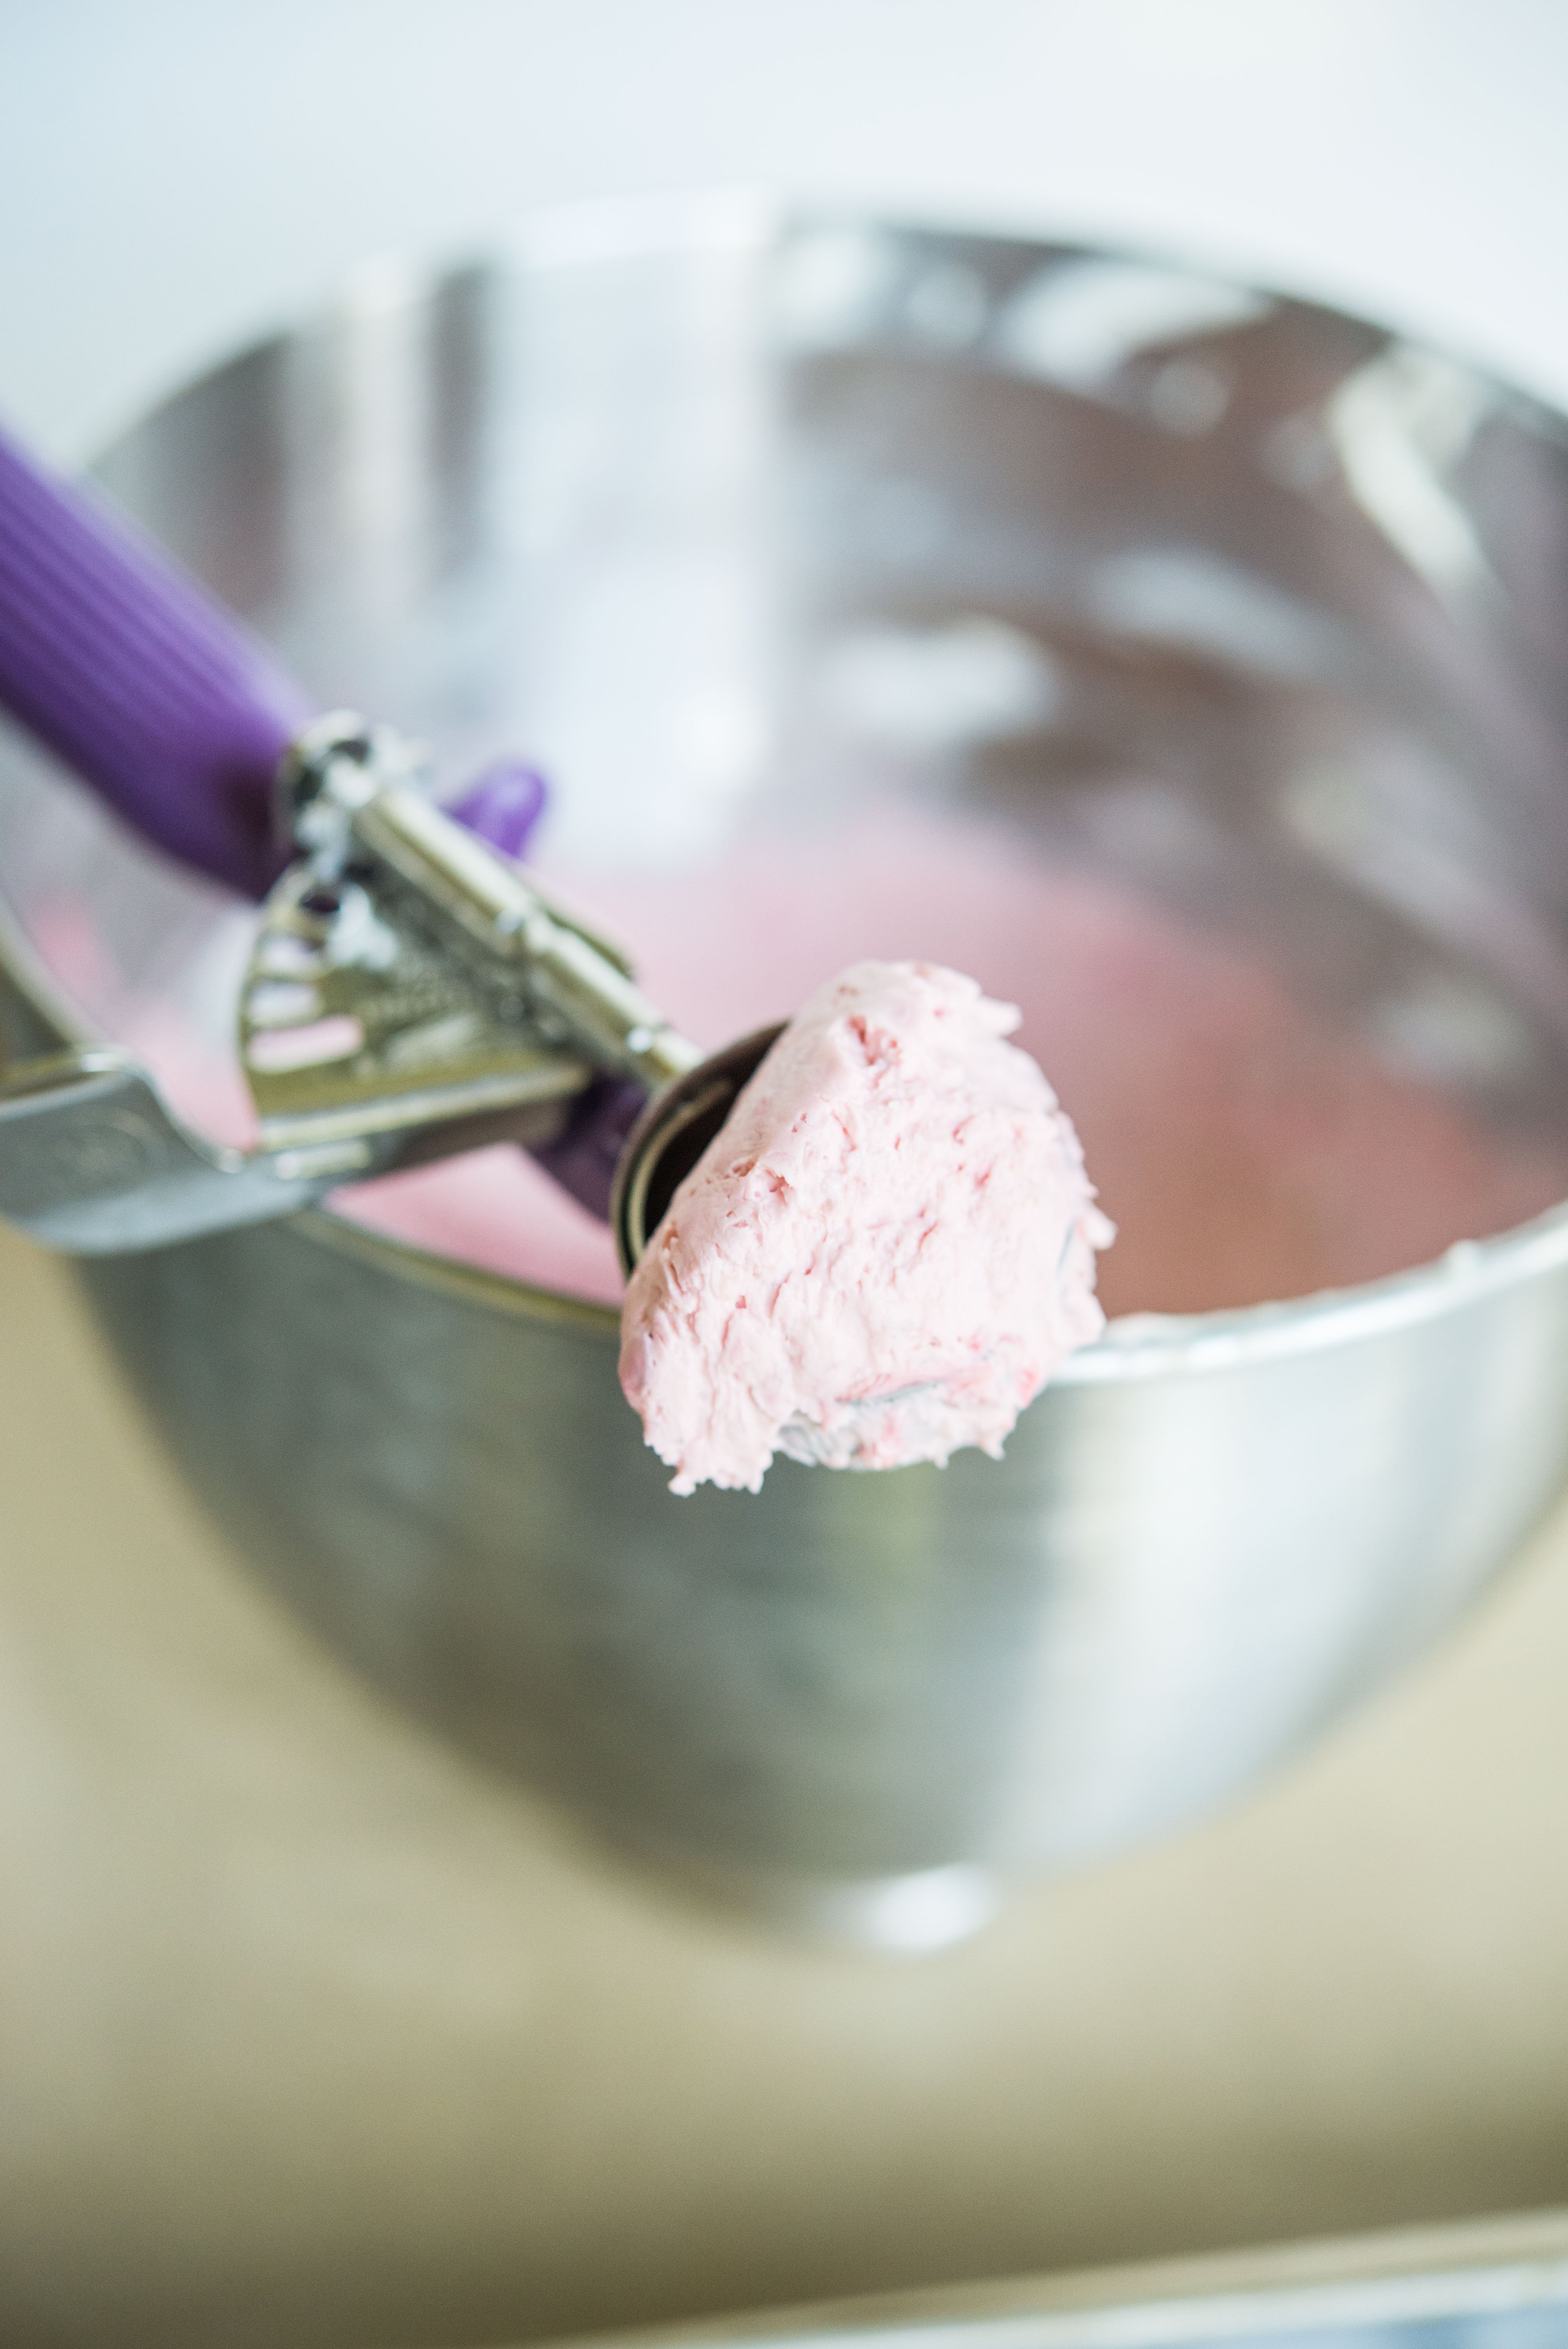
(179, 174)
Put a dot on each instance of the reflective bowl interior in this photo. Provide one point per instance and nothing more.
(777, 539)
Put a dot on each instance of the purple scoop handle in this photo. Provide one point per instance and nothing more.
(133, 674)
(140, 680)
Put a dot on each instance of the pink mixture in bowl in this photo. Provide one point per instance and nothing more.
(1245, 1148)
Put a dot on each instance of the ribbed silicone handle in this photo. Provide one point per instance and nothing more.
(135, 676)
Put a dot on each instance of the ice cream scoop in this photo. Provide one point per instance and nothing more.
(410, 994)
(412, 991)
(881, 1256)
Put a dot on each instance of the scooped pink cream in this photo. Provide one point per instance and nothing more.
(882, 1257)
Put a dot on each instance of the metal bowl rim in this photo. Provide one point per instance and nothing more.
(1135, 1346)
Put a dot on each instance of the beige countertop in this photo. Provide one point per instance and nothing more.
(309, 2032)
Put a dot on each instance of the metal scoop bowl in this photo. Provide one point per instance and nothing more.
(670, 1134)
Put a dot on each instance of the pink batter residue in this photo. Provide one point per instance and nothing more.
(1245, 1149)
(884, 1255)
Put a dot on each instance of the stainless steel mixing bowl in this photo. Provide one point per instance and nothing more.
(1304, 589)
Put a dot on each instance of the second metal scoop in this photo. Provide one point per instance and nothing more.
(412, 993)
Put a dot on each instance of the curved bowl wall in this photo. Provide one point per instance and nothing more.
(1247, 530)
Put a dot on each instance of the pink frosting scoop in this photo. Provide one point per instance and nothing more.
(882, 1257)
